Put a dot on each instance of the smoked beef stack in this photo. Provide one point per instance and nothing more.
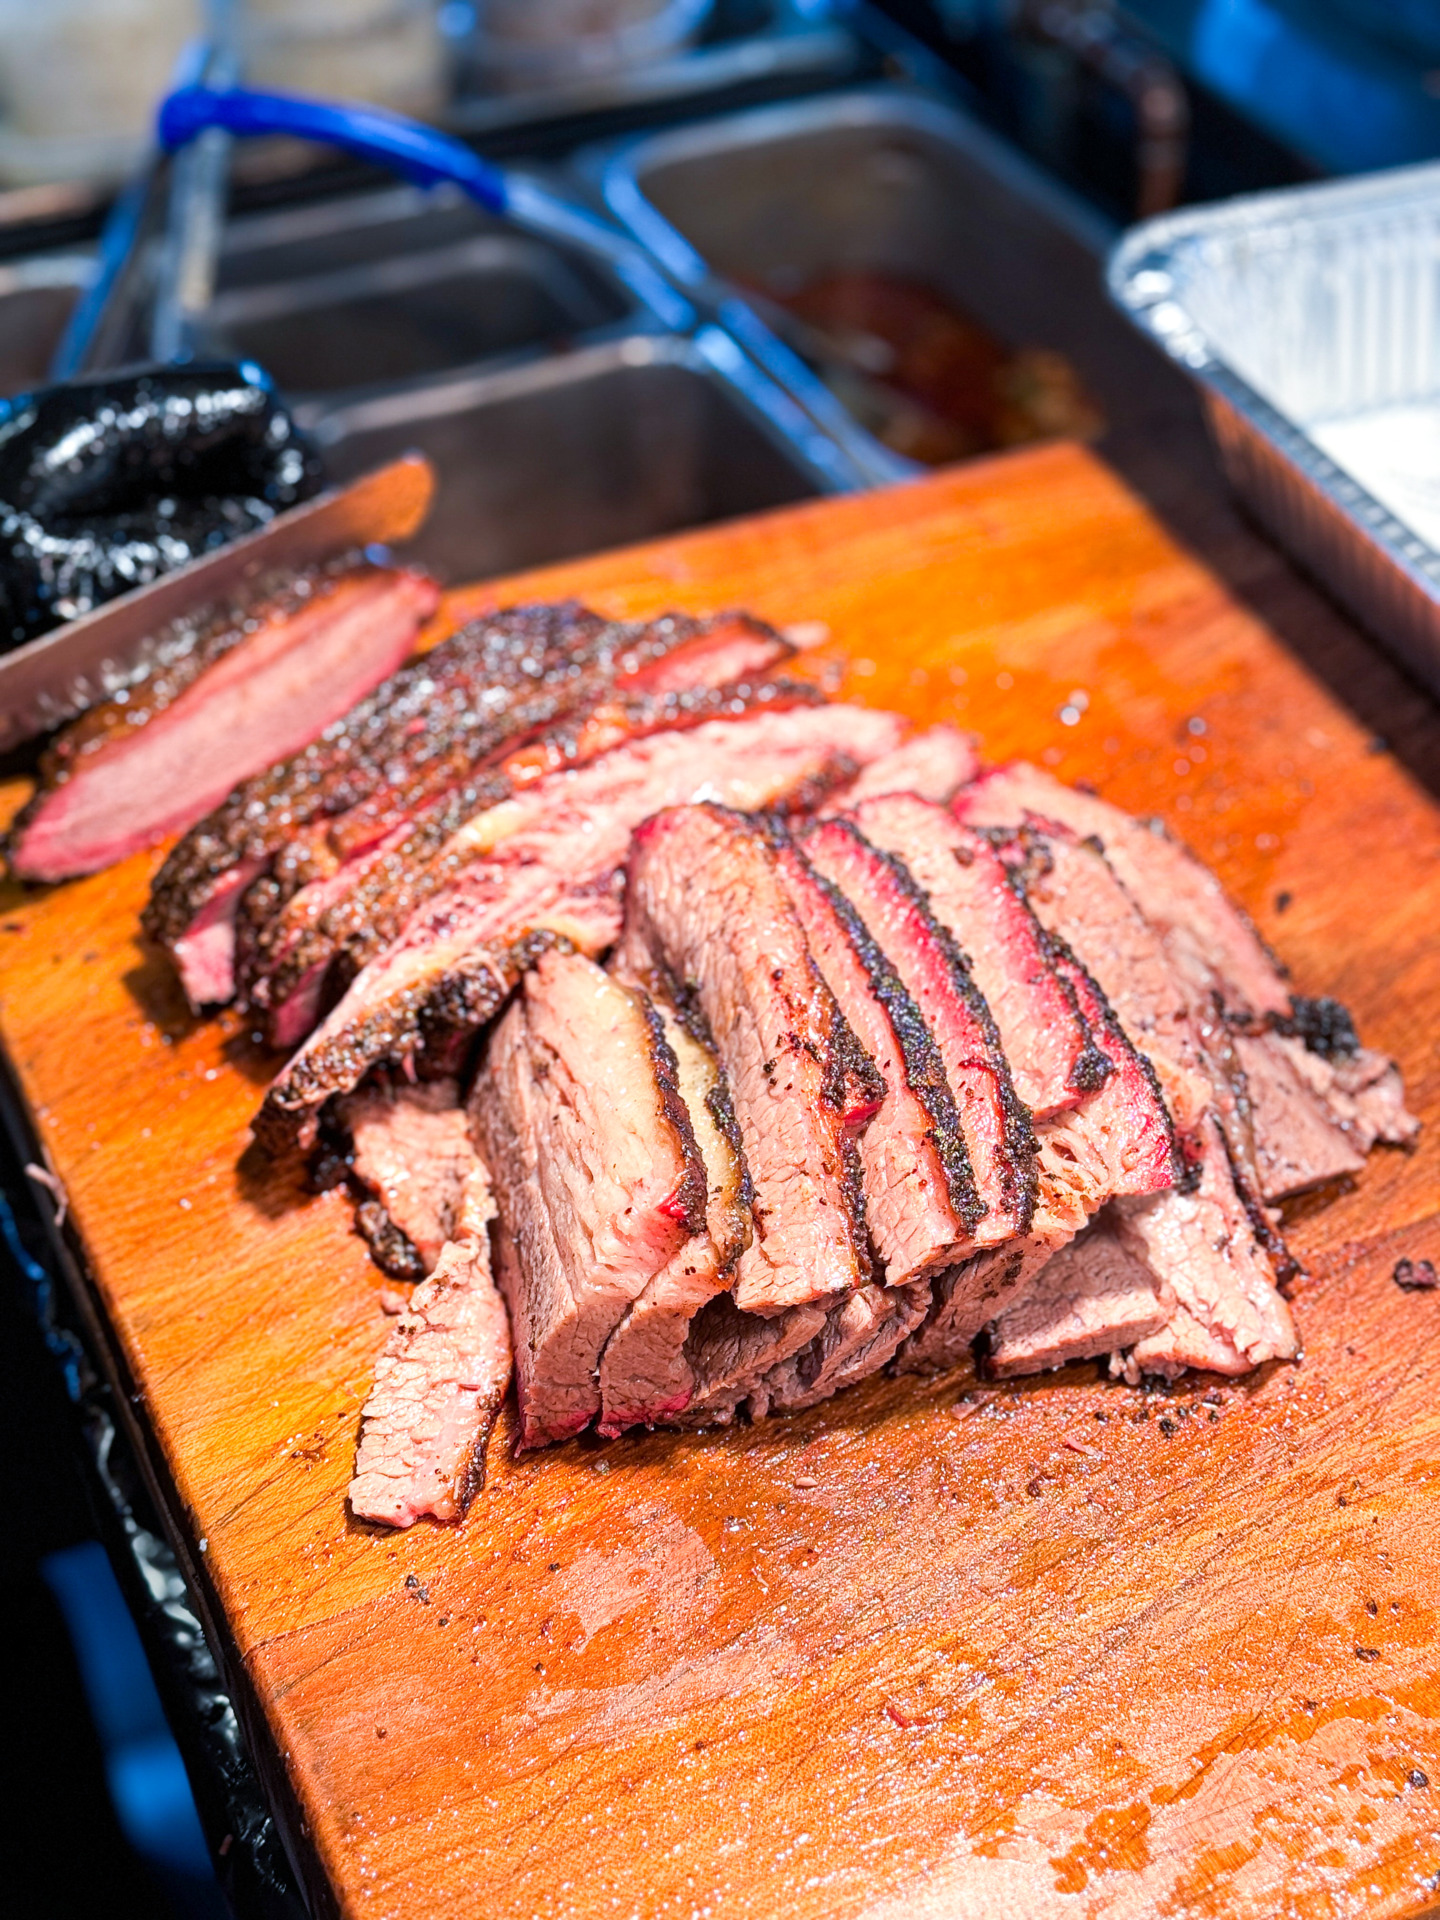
(900, 1190)
(890, 1058)
(942, 1083)
(413, 743)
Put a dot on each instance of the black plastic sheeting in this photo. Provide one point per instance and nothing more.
(250, 1862)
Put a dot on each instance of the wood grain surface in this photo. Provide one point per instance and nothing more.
(1047, 1648)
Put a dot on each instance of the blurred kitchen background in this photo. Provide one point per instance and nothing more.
(897, 213)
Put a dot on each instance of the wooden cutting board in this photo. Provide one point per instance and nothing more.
(963, 1650)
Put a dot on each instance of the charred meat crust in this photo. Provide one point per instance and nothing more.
(1093, 1066)
(1287, 1268)
(721, 1108)
(392, 1251)
(1021, 1174)
(924, 1068)
(846, 1057)
(433, 718)
(401, 1028)
(1095, 1010)
(687, 1203)
(1323, 1024)
(357, 926)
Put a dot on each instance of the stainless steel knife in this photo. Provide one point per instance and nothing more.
(54, 677)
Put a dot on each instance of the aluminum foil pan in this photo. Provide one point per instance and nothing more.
(1311, 320)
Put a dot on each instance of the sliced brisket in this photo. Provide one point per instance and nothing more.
(707, 915)
(1232, 981)
(728, 647)
(645, 1375)
(379, 859)
(411, 1149)
(1216, 1228)
(730, 1353)
(264, 680)
(1296, 1142)
(1054, 1059)
(1171, 885)
(415, 735)
(1101, 1128)
(1202, 1244)
(1091, 1298)
(930, 965)
(438, 1384)
(932, 764)
(337, 925)
(919, 1191)
(1077, 898)
(860, 1334)
(597, 1172)
(558, 873)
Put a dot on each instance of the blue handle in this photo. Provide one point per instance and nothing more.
(409, 148)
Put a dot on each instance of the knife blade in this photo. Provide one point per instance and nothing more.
(90, 658)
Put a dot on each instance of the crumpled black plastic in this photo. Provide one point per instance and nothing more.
(107, 484)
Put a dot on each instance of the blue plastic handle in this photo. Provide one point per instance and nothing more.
(408, 147)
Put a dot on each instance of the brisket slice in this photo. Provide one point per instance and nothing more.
(1054, 1059)
(414, 735)
(1101, 1127)
(462, 691)
(998, 1137)
(860, 1334)
(707, 916)
(1202, 1243)
(919, 1191)
(932, 765)
(1210, 1240)
(1296, 1142)
(1091, 1298)
(1172, 886)
(597, 1172)
(560, 874)
(793, 1359)
(398, 831)
(336, 926)
(729, 1354)
(726, 647)
(645, 1375)
(668, 656)
(153, 762)
(1076, 896)
(438, 1385)
(1232, 979)
(411, 1149)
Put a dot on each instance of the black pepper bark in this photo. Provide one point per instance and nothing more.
(1021, 1179)
(924, 1066)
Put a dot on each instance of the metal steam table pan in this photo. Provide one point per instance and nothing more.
(887, 179)
(616, 442)
(37, 297)
(386, 288)
(1310, 318)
